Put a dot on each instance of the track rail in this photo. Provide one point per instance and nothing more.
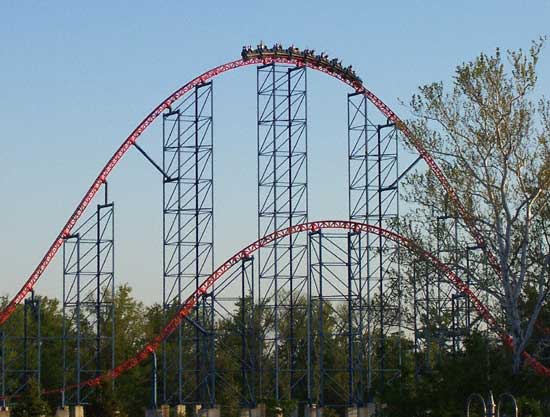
(245, 253)
(136, 133)
(166, 104)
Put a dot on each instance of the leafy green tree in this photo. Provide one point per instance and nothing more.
(31, 403)
(52, 347)
(104, 402)
(131, 333)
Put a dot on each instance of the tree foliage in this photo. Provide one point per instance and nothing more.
(104, 402)
(31, 403)
(490, 133)
(442, 392)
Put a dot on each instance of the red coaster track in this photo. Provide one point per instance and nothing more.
(245, 253)
(267, 58)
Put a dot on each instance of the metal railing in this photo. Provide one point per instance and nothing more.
(490, 408)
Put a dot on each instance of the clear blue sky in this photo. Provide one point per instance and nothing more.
(76, 77)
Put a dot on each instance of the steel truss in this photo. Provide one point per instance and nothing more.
(442, 315)
(452, 306)
(188, 363)
(370, 262)
(88, 301)
(248, 329)
(237, 331)
(374, 198)
(21, 352)
(336, 320)
(282, 202)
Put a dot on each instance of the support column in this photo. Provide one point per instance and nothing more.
(442, 315)
(180, 410)
(249, 343)
(62, 412)
(356, 319)
(21, 350)
(374, 199)
(359, 131)
(336, 311)
(452, 251)
(282, 202)
(384, 262)
(316, 329)
(209, 412)
(313, 411)
(368, 411)
(188, 367)
(259, 411)
(88, 301)
(77, 411)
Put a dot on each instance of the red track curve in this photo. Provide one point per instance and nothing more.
(130, 140)
(298, 61)
(245, 253)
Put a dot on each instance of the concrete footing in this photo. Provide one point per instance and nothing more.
(278, 412)
(5, 412)
(62, 412)
(313, 411)
(259, 411)
(360, 411)
(76, 411)
(367, 411)
(153, 413)
(180, 411)
(165, 410)
(371, 409)
(209, 412)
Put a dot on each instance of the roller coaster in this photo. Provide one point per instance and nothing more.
(295, 271)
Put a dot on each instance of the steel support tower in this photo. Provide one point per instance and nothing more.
(358, 166)
(424, 283)
(282, 202)
(248, 330)
(374, 198)
(452, 249)
(237, 331)
(188, 366)
(442, 315)
(21, 349)
(32, 339)
(336, 320)
(88, 300)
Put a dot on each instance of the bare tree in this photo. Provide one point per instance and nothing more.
(490, 134)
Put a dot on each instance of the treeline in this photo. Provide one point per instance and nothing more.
(439, 387)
